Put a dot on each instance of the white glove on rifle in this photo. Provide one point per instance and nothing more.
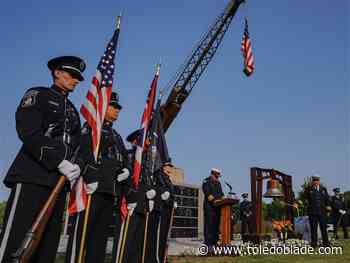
(150, 194)
(69, 170)
(150, 205)
(91, 188)
(175, 205)
(165, 196)
(343, 212)
(131, 208)
(123, 175)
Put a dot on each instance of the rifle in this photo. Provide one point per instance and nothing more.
(33, 237)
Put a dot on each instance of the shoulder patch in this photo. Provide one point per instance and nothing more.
(29, 98)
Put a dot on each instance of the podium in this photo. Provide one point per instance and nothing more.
(225, 206)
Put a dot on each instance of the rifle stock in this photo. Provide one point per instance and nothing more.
(34, 235)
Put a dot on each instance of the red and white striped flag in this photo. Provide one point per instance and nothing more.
(94, 110)
(146, 117)
(97, 98)
(247, 52)
(77, 197)
(141, 140)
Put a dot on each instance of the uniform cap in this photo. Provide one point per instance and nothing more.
(114, 101)
(244, 195)
(315, 177)
(71, 64)
(215, 170)
(336, 190)
(132, 137)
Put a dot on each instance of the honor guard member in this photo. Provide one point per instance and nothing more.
(338, 213)
(318, 199)
(163, 204)
(245, 209)
(212, 192)
(132, 249)
(167, 212)
(104, 183)
(48, 125)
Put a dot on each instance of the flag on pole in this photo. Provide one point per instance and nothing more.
(140, 141)
(146, 117)
(77, 197)
(247, 52)
(97, 98)
(159, 149)
(94, 110)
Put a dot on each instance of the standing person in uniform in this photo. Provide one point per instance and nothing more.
(318, 199)
(166, 214)
(144, 196)
(104, 182)
(212, 192)
(159, 219)
(245, 209)
(338, 213)
(48, 125)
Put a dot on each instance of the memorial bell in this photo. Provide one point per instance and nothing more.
(273, 189)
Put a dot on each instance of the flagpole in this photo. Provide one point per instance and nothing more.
(66, 217)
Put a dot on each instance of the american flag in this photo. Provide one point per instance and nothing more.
(77, 197)
(94, 110)
(97, 98)
(146, 117)
(247, 52)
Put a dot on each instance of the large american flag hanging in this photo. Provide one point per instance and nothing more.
(247, 52)
(97, 98)
(146, 117)
(94, 110)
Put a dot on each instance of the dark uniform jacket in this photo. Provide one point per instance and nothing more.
(48, 125)
(211, 187)
(337, 203)
(245, 208)
(317, 200)
(162, 184)
(113, 157)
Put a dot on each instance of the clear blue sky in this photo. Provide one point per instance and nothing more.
(291, 115)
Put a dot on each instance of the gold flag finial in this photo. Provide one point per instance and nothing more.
(119, 18)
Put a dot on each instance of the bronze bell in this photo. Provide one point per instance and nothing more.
(273, 189)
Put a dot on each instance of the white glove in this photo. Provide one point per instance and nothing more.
(151, 194)
(91, 188)
(175, 205)
(165, 196)
(123, 175)
(70, 170)
(150, 205)
(131, 208)
(343, 212)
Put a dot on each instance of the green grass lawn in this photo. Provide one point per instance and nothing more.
(344, 258)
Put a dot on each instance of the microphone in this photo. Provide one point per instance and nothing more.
(229, 186)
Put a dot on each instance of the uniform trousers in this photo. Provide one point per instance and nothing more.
(314, 221)
(165, 221)
(24, 204)
(211, 225)
(99, 221)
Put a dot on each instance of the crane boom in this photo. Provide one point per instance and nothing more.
(197, 63)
